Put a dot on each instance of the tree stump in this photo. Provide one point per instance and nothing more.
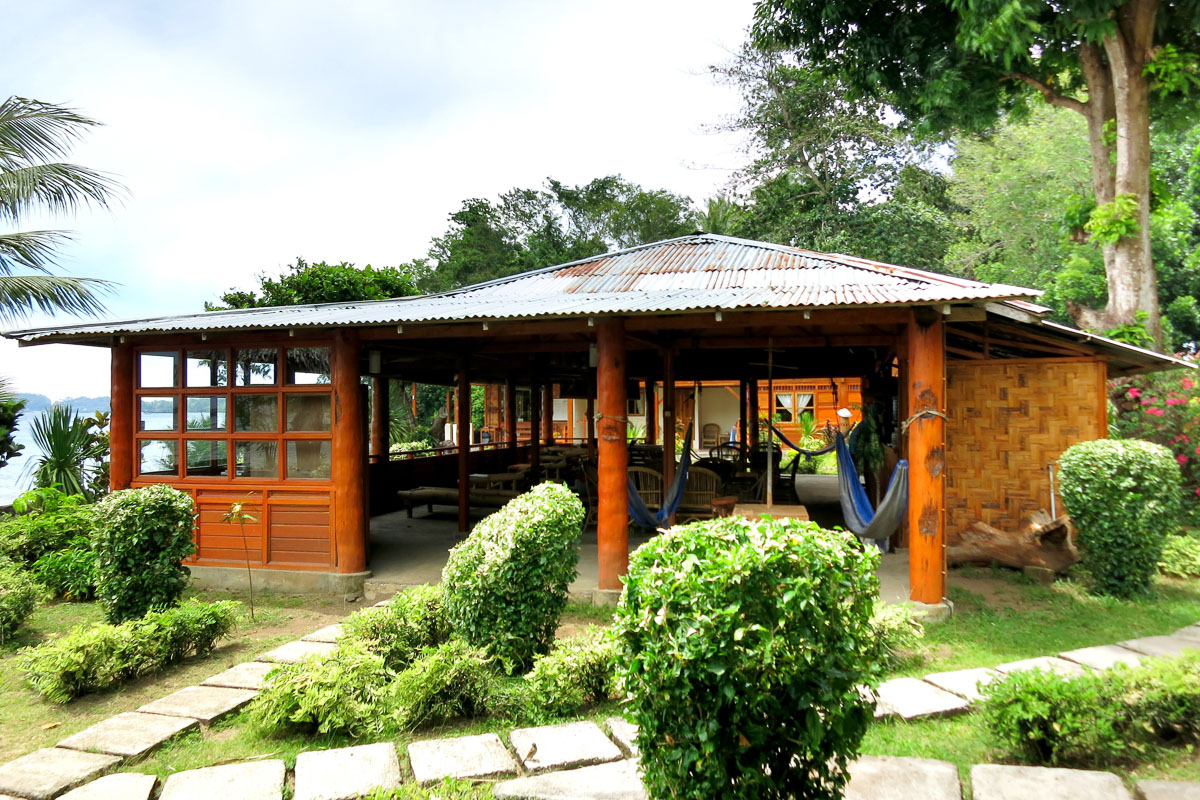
(1039, 541)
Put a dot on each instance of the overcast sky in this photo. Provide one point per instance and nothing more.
(250, 132)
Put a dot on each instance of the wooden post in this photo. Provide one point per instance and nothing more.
(668, 422)
(379, 418)
(510, 414)
(349, 456)
(548, 413)
(612, 526)
(535, 426)
(926, 454)
(463, 419)
(651, 415)
(120, 426)
(591, 428)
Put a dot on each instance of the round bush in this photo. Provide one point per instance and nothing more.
(18, 596)
(506, 584)
(144, 535)
(1123, 497)
(1180, 557)
(743, 645)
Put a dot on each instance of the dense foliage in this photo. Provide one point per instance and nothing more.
(18, 597)
(303, 283)
(1180, 557)
(103, 656)
(47, 521)
(743, 647)
(451, 680)
(10, 412)
(1164, 408)
(577, 672)
(506, 584)
(1123, 498)
(69, 573)
(143, 536)
(397, 632)
(73, 451)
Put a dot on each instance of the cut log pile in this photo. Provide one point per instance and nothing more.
(1039, 541)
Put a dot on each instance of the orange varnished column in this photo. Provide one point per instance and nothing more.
(463, 421)
(120, 426)
(510, 414)
(349, 456)
(926, 453)
(612, 525)
(379, 418)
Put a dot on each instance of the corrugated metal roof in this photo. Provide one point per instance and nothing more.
(691, 273)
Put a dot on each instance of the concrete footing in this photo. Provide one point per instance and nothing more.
(347, 585)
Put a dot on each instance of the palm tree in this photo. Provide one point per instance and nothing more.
(33, 136)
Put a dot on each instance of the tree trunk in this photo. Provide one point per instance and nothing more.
(1038, 542)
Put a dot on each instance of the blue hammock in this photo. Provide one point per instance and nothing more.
(863, 521)
(644, 517)
(808, 454)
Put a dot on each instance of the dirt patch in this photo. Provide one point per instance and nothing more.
(996, 590)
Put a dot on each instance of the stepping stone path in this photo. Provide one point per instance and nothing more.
(251, 780)
(1164, 646)
(963, 682)
(910, 698)
(1104, 656)
(329, 634)
(119, 786)
(997, 782)
(464, 757)
(250, 675)
(572, 744)
(130, 735)
(892, 778)
(44, 774)
(615, 781)
(346, 773)
(295, 652)
(204, 703)
(623, 733)
(1167, 790)
(1053, 664)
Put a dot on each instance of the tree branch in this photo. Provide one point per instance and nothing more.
(1052, 97)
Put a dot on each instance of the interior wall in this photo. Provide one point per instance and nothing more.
(1009, 420)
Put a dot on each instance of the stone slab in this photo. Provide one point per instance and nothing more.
(347, 772)
(297, 651)
(329, 634)
(249, 675)
(462, 757)
(571, 744)
(1103, 656)
(47, 773)
(205, 703)
(1162, 646)
(624, 733)
(893, 778)
(1190, 632)
(1167, 790)
(999, 782)
(617, 780)
(910, 698)
(1059, 666)
(118, 786)
(250, 780)
(130, 734)
(963, 682)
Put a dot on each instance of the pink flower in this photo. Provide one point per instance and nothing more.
(1134, 393)
(1175, 401)
(1198, 490)
(1181, 459)
(1157, 412)
(1187, 383)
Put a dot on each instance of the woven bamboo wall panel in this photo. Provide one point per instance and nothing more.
(1007, 420)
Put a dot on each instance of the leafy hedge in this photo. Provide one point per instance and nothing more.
(103, 656)
(71, 572)
(18, 597)
(1123, 498)
(506, 584)
(414, 620)
(576, 673)
(742, 647)
(1180, 557)
(47, 521)
(144, 535)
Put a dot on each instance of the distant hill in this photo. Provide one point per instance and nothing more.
(84, 405)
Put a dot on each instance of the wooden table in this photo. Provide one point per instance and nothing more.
(756, 510)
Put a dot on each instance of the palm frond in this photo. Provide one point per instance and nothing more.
(20, 295)
(63, 439)
(30, 249)
(31, 131)
(56, 187)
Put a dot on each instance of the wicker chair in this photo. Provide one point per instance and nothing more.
(649, 485)
(702, 486)
(710, 435)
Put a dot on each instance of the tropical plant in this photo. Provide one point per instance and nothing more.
(33, 136)
(238, 515)
(68, 451)
(10, 412)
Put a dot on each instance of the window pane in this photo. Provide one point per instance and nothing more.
(308, 412)
(309, 459)
(159, 457)
(156, 414)
(207, 457)
(156, 369)
(206, 368)
(804, 402)
(257, 459)
(783, 407)
(256, 366)
(255, 412)
(206, 413)
(307, 365)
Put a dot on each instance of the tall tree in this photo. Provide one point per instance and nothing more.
(304, 283)
(33, 137)
(961, 63)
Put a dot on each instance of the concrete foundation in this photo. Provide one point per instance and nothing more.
(282, 581)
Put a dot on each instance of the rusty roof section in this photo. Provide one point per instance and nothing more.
(691, 273)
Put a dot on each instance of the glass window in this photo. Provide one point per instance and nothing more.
(205, 413)
(257, 459)
(206, 368)
(783, 407)
(156, 370)
(309, 460)
(156, 413)
(308, 365)
(207, 457)
(308, 412)
(255, 412)
(158, 457)
(256, 366)
(804, 403)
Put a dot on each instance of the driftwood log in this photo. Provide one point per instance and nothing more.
(1039, 541)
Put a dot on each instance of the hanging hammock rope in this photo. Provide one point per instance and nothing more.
(862, 520)
(652, 520)
(808, 454)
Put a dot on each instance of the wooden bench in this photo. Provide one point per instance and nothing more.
(448, 496)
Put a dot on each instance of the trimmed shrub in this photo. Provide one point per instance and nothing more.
(144, 535)
(103, 656)
(1123, 498)
(577, 672)
(347, 693)
(71, 572)
(506, 584)
(742, 647)
(18, 597)
(414, 620)
(47, 521)
(898, 635)
(1165, 697)
(445, 682)
(1180, 557)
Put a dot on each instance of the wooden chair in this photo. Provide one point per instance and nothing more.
(649, 485)
(702, 487)
(710, 435)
